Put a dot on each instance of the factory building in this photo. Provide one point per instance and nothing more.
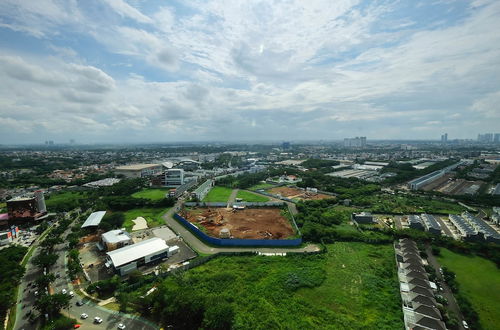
(418, 183)
(129, 258)
(466, 230)
(138, 170)
(490, 235)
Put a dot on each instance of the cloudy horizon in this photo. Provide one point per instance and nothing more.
(136, 71)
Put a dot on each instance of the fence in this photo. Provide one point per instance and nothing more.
(249, 204)
(236, 241)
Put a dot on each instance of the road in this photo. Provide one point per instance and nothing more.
(232, 197)
(200, 246)
(444, 227)
(452, 303)
(111, 319)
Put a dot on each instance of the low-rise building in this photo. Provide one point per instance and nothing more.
(431, 224)
(203, 189)
(138, 170)
(115, 239)
(129, 258)
(363, 218)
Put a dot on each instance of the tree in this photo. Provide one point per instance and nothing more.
(43, 281)
(52, 304)
(218, 315)
(45, 260)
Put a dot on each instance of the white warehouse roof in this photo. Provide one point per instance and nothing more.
(94, 219)
(136, 251)
(116, 236)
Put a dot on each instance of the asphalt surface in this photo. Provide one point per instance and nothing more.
(110, 318)
(200, 246)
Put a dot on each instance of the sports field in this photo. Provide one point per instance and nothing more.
(218, 194)
(479, 281)
(251, 197)
(152, 194)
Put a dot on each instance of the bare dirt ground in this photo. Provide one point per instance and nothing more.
(257, 223)
(289, 192)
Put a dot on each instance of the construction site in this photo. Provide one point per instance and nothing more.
(240, 222)
(300, 194)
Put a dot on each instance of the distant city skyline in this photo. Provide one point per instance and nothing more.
(123, 71)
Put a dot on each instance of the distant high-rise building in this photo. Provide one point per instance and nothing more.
(51, 143)
(485, 138)
(444, 138)
(72, 141)
(357, 142)
(285, 145)
(496, 139)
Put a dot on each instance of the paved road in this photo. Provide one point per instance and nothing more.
(111, 319)
(200, 246)
(452, 303)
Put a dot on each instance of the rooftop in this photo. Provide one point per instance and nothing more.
(94, 219)
(136, 251)
(115, 236)
(135, 167)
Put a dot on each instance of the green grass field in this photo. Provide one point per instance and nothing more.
(64, 201)
(218, 194)
(261, 186)
(251, 197)
(153, 217)
(353, 286)
(479, 281)
(152, 194)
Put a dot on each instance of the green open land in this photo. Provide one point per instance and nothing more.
(153, 217)
(385, 203)
(218, 194)
(152, 194)
(479, 282)
(251, 197)
(352, 286)
(64, 201)
(261, 186)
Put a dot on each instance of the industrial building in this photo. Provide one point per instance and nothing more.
(203, 189)
(418, 183)
(114, 239)
(94, 219)
(363, 218)
(27, 208)
(415, 222)
(138, 170)
(495, 217)
(129, 258)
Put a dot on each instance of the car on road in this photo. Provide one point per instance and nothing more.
(64, 291)
(97, 320)
(121, 326)
(71, 294)
(79, 303)
(84, 315)
(466, 326)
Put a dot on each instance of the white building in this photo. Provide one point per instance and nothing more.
(129, 258)
(115, 239)
(174, 177)
(138, 170)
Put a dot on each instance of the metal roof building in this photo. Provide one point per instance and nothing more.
(489, 233)
(94, 219)
(431, 224)
(130, 257)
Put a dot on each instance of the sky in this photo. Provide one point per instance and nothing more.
(118, 71)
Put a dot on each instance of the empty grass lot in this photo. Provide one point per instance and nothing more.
(479, 281)
(251, 197)
(152, 194)
(353, 286)
(153, 217)
(263, 186)
(218, 194)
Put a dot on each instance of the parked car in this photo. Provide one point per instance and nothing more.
(121, 326)
(466, 326)
(64, 291)
(97, 320)
(71, 294)
(79, 303)
(84, 315)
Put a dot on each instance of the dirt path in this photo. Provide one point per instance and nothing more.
(232, 198)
